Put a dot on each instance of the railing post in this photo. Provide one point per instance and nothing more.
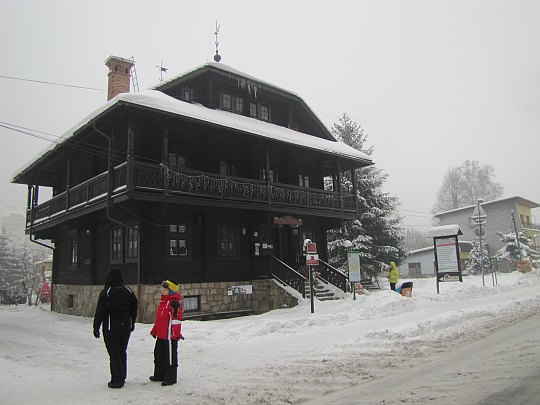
(165, 159)
(130, 169)
(267, 173)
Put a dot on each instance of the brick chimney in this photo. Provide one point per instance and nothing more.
(119, 75)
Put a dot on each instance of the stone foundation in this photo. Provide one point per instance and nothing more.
(213, 298)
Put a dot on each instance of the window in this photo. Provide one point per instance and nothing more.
(192, 303)
(274, 175)
(238, 105)
(117, 245)
(415, 269)
(522, 219)
(178, 240)
(176, 160)
(187, 94)
(253, 110)
(303, 180)
(226, 101)
(73, 249)
(228, 241)
(265, 113)
(71, 301)
(226, 168)
(132, 243)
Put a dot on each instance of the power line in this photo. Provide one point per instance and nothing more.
(51, 83)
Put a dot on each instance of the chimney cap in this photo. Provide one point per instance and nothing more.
(116, 59)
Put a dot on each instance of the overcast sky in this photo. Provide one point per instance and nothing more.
(433, 83)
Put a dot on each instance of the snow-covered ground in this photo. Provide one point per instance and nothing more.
(285, 356)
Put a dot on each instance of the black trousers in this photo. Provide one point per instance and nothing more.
(166, 360)
(393, 286)
(116, 342)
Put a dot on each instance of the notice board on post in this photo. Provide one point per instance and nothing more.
(353, 261)
(446, 247)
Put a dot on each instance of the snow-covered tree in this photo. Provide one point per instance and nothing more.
(10, 272)
(376, 233)
(510, 251)
(479, 256)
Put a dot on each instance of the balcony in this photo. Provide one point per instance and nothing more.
(152, 179)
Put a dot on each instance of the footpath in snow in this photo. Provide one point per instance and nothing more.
(284, 356)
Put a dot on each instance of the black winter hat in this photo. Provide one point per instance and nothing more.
(114, 277)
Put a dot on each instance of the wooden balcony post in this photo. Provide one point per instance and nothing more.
(340, 188)
(130, 169)
(267, 174)
(165, 158)
(353, 177)
(68, 180)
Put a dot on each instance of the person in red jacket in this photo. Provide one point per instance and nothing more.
(167, 332)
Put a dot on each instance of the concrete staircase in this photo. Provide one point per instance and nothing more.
(322, 291)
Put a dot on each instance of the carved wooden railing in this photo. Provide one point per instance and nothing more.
(333, 276)
(271, 266)
(147, 177)
(84, 194)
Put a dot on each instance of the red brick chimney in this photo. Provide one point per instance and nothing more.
(119, 75)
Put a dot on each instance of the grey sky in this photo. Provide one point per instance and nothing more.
(432, 82)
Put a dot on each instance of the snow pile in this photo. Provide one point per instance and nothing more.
(285, 356)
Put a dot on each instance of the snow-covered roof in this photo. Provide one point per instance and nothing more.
(253, 84)
(226, 69)
(159, 101)
(524, 201)
(444, 230)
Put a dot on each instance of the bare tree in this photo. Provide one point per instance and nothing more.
(463, 185)
(416, 239)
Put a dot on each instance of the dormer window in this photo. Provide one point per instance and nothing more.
(253, 110)
(264, 113)
(187, 94)
(238, 105)
(226, 101)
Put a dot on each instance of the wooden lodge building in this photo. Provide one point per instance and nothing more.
(213, 178)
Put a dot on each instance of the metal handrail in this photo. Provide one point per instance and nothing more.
(333, 276)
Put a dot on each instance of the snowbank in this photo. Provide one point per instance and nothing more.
(285, 356)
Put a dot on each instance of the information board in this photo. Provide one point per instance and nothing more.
(353, 259)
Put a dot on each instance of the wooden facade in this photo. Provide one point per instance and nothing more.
(172, 183)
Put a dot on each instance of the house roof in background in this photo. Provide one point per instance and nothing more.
(521, 200)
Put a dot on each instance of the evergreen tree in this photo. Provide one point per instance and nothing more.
(477, 257)
(10, 274)
(376, 233)
(510, 251)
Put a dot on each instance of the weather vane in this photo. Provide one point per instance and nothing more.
(161, 70)
(217, 56)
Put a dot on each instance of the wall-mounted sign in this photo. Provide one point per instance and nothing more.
(240, 289)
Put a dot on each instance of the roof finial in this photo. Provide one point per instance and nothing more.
(217, 56)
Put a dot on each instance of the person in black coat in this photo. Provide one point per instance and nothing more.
(116, 312)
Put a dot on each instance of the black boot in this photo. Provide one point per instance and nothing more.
(165, 383)
(118, 384)
(153, 378)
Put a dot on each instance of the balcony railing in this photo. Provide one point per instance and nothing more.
(154, 178)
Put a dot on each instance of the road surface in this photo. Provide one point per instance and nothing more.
(501, 368)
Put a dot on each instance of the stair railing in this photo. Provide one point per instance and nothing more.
(287, 275)
(333, 276)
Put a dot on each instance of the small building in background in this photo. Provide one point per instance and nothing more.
(421, 262)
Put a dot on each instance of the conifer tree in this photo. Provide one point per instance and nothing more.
(510, 251)
(477, 257)
(376, 233)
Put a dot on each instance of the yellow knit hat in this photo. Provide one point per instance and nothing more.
(170, 285)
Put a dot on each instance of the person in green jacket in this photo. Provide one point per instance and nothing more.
(393, 276)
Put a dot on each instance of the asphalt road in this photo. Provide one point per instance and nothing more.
(501, 368)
